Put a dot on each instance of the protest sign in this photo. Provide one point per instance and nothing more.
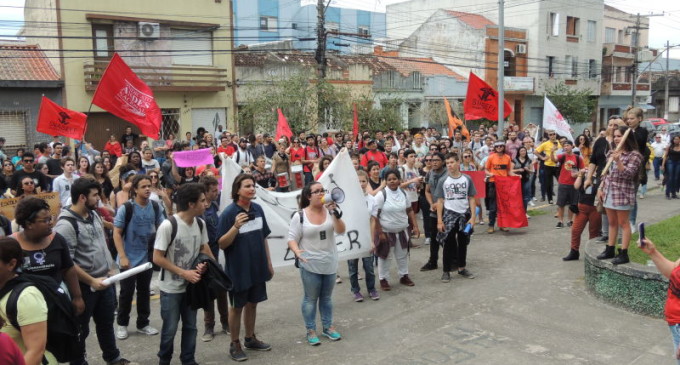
(511, 213)
(193, 158)
(7, 206)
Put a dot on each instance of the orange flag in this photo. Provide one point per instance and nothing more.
(454, 121)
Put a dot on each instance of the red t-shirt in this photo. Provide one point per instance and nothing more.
(376, 156)
(10, 353)
(297, 154)
(311, 153)
(229, 150)
(672, 308)
(568, 163)
(114, 149)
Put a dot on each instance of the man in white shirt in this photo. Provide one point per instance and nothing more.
(62, 183)
(659, 148)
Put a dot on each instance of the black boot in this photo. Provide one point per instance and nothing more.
(621, 258)
(608, 253)
(572, 256)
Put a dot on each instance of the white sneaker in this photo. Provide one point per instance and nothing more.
(427, 241)
(121, 332)
(535, 199)
(531, 202)
(633, 229)
(148, 330)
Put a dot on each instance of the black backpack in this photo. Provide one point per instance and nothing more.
(63, 331)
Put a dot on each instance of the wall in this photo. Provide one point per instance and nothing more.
(27, 101)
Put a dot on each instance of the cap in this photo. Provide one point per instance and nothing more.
(370, 141)
(499, 143)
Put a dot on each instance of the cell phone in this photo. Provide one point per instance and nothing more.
(641, 231)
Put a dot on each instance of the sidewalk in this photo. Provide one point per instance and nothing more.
(526, 306)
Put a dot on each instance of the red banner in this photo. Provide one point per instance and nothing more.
(509, 203)
(478, 182)
(122, 93)
(481, 101)
(282, 127)
(58, 121)
(355, 124)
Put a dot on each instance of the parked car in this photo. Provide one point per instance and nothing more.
(646, 124)
(657, 121)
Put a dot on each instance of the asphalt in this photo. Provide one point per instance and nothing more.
(526, 306)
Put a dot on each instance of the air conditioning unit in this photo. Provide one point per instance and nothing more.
(149, 30)
(521, 49)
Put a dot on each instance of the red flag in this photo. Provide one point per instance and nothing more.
(482, 101)
(282, 128)
(355, 125)
(511, 212)
(478, 181)
(57, 121)
(122, 93)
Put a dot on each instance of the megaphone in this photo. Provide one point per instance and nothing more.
(336, 195)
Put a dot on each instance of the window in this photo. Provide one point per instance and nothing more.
(268, 23)
(554, 24)
(592, 69)
(567, 66)
(364, 30)
(102, 40)
(332, 27)
(592, 31)
(191, 47)
(416, 80)
(572, 26)
(609, 35)
(674, 104)
(392, 79)
(621, 37)
(574, 67)
(551, 66)
(509, 69)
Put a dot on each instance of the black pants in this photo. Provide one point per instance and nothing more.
(551, 173)
(430, 228)
(142, 283)
(455, 250)
(99, 306)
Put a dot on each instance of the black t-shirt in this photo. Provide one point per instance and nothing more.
(51, 261)
(54, 166)
(587, 198)
(129, 137)
(38, 178)
(599, 155)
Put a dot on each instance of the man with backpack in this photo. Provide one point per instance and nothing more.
(134, 231)
(83, 229)
(179, 240)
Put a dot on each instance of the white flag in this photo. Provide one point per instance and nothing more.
(553, 119)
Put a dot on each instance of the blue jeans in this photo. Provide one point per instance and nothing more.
(318, 289)
(99, 306)
(353, 266)
(174, 306)
(675, 331)
(672, 177)
(657, 167)
(526, 192)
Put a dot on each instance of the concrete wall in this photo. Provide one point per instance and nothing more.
(27, 101)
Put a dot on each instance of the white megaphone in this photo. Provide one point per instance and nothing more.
(336, 195)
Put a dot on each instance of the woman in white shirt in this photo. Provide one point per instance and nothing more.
(394, 214)
(311, 238)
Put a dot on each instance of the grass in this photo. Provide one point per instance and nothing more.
(535, 212)
(665, 237)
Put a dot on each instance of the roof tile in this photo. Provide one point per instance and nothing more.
(25, 62)
(474, 20)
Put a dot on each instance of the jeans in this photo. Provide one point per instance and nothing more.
(174, 306)
(657, 167)
(455, 250)
(533, 184)
(672, 177)
(587, 214)
(526, 192)
(318, 289)
(99, 305)
(353, 266)
(675, 332)
(142, 282)
(541, 180)
(309, 177)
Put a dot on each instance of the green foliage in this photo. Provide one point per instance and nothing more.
(372, 119)
(576, 105)
(664, 235)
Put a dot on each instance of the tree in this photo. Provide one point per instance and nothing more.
(576, 105)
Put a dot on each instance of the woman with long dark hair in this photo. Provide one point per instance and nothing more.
(8, 170)
(583, 148)
(375, 183)
(311, 238)
(135, 159)
(26, 187)
(101, 174)
(670, 166)
(524, 168)
(83, 166)
(618, 194)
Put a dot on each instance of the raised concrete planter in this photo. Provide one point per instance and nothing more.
(638, 288)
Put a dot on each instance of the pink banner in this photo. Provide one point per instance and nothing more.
(193, 158)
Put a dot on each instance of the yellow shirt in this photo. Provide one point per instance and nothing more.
(547, 147)
(31, 308)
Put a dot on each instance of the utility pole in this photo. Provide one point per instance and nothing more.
(321, 38)
(668, 55)
(501, 66)
(635, 45)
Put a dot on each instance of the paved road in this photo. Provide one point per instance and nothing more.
(526, 306)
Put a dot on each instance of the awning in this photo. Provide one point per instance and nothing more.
(641, 106)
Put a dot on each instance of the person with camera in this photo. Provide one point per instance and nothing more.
(311, 238)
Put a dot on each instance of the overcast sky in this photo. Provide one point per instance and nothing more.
(661, 28)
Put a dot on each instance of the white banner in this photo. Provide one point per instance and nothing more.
(339, 179)
(553, 119)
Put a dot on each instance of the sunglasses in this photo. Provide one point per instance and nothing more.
(466, 156)
(428, 160)
(28, 161)
(29, 183)
(154, 176)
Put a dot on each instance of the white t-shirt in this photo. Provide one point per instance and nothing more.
(411, 189)
(317, 242)
(182, 252)
(393, 217)
(150, 165)
(456, 192)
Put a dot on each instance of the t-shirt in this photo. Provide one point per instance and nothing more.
(246, 258)
(318, 243)
(38, 178)
(54, 166)
(229, 150)
(672, 307)
(411, 189)
(150, 165)
(31, 309)
(498, 165)
(62, 185)
(11, 353)
(547, 147)
(140, 229)
(570, 163)
(297, 154)
(393, 217)
(182, 252)
(456, 191)
(50, 261)
(376, 156)
(311, 153)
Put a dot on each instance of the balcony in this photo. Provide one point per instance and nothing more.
(624, 88)
(173, 78)
(617, 50)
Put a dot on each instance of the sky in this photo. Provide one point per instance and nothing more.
(662, 28)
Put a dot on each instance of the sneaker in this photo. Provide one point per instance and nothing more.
(602, 239)
(405, 280)
(254, 344)
(312, 338)
(236, 352)
(148, 330)
(374, 294)
(427, 241)
(428, 267)
(505, 229)
(481, 222)
(225, 329)
(121, 332)
(490, 230)
(446, 277)
(570, 223)
(559, 225)
(633, 229)
(338, 280)
(358, 297)
(531, 202)
(332, 334)
(359, 277)
(121, 361)
(550, 202)
(384, 285)
(152, 292)
(208, 335)
(542, 199)
(535, 199)
(466, 274)
(641, 196)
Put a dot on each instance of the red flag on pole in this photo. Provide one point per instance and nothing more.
(355, 124)
(282, 127)
(58, 121)
(122, 93)
(511, 212)
(481, 101)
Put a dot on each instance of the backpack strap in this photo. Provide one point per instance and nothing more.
(173, 234)
(12, 302)
(156, 211)
(74, 224)
(129, 209)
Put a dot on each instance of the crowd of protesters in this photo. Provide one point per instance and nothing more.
(130, 203)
